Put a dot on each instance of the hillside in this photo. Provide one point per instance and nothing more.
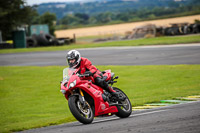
(114, 6)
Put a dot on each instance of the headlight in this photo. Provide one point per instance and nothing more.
(63, 91)
(72, 84)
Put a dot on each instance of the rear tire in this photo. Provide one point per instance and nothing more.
(84, 116)
(125, 110)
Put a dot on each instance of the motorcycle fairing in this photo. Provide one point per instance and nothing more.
(101, 107)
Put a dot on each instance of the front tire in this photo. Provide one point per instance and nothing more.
(125, 109)
(83, 115)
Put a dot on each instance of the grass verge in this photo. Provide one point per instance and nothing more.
(139, 42)
(30, 97)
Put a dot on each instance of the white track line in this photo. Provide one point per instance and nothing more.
(115, 118)
(148, 113)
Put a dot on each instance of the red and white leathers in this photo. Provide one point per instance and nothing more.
(86, 65)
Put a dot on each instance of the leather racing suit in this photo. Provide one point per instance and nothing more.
(87, 67)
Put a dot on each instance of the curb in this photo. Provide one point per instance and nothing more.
(178, 100)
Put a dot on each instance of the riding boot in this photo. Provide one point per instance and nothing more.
(105, 98)
(115, 94)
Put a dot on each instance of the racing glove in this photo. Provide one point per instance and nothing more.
(88, 73)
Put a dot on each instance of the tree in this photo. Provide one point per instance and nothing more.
(104, 17)
(83, 16)
(71, 20)
(123, 17)
(50, 19)
(13, 14)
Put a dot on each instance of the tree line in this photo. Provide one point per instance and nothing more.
(16, 13)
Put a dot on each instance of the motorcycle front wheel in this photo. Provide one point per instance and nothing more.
(84, 115)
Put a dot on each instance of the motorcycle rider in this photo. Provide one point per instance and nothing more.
(75, 61)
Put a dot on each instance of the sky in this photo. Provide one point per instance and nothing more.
(32, 2)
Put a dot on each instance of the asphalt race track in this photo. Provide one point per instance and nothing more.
(181, 118)
(143, 55)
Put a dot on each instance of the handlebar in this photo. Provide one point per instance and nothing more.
(83, 75)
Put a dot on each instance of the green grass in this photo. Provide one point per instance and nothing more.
(30, 96)
(139, 42)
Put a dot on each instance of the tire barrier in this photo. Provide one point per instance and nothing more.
(151, 30)
(181, 29)
(31, 42)
(46, 40)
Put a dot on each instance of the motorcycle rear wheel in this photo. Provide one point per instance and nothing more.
(83, 115)
(124, 110)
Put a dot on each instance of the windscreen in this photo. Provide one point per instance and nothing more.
(67, 73)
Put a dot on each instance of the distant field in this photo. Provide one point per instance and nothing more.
(121, 28)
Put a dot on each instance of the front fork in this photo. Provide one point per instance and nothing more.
(82, 99)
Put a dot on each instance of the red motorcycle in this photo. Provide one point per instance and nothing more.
(87, 100)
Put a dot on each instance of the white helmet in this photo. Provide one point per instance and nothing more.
(73, 54)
